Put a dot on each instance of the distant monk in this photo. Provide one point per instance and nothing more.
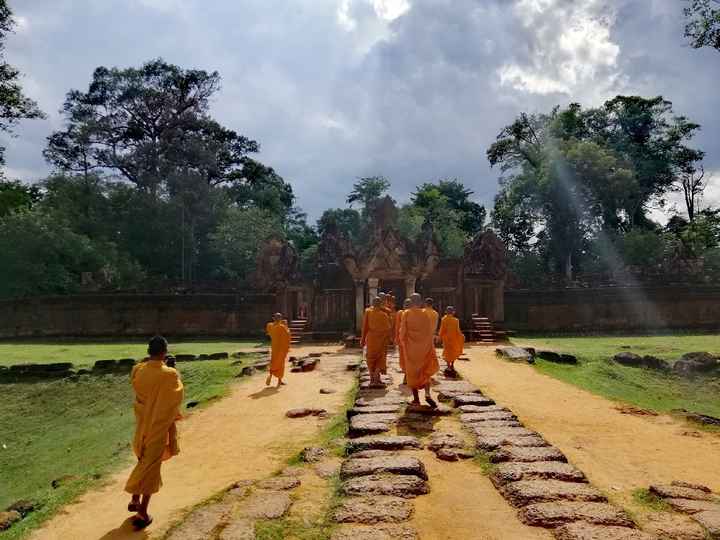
(416, 336)
(434, 315)
(398, 322)
(376, 335)
(279, 346)
(452, 338)
(158, 396)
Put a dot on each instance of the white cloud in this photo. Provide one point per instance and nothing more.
(391, 9)
(571, 48)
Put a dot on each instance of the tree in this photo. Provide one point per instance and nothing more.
(17, 196)
(457, 198)
(14, 104)
(344, 220)
(239, 237)
(44, 256)
(367, 191)
(148, 125)
(692, 184)
(703, 23)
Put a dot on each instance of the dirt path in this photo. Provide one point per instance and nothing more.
(618, 452)
(244, 436)
(463, 503)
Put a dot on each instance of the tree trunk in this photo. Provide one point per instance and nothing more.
(568, 267)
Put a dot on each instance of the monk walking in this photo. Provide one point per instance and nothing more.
(376, 336)
(398, 322)
(452, 338)
(279, 346)
(158, 396)
(434, 315)
(416, 336)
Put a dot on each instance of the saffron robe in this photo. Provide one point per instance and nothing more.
(376, 335)
(279, 347)
(158, 396)
(452, 338)
(401, 349)
(434, 317)
(416, 336)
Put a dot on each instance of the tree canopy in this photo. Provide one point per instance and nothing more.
(702, 26)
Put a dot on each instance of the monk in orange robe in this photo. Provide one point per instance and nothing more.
(376, 336)
(416, 336)
(398, 322)
(158, 396)
(279, 346)
(452, 338)
(434, 315)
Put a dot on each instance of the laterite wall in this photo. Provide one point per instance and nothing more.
(137, 315)
(613, 309)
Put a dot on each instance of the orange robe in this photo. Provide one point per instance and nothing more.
(376, 335)
(416, 336)
(401, 349)
(452, 338)
(434, 317)
(279, 346)
(158, 396)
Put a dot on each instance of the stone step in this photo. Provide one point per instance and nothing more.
(491, 442)
(555, 514)
(371, 510)
(396, 442)
(375, 532)
(371, 424)
(516, 453)
(525, 492)
(504, 473)
(397, 464)
(471, 399)
(473, 418)
(587, 531)
(405, 486)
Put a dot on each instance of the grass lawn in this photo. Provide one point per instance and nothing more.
(641, 387)
(84, 353)
(79, 431)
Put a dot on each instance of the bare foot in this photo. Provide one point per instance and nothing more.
(268, 380)
(430, 401)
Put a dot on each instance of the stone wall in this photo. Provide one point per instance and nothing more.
(613, 309)
(137, 315)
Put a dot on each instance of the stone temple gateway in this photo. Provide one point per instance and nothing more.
(350, 273)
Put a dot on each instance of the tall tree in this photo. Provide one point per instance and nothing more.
(703, 23)
(14, 104)
(457, 198)
(17, 196)
(368, 190)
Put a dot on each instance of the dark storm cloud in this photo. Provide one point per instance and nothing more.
(332, 90)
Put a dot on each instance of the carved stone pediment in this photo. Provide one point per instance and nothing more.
(486, 257)
(276, 264)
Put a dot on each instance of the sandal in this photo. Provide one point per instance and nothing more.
(430, 401)
(133, 506)
(139, 523)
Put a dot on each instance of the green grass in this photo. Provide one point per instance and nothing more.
(644, 388)
(644, 498)
(482, 460)
(84, 353)
(80, 430)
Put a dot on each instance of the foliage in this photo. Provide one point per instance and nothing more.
(343, 220)
(573, 175)
(367, 191)
(703, 23)
(14, 104)
(456, 197)
(43, 256)
(17, 196)
(238, 238)
(642, 248)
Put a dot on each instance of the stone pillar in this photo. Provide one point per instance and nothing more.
(500, 301)
(373, 287)
(359, 304)
(409, 286)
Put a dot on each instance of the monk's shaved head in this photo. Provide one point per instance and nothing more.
(377, 301)
(416, 300)
(406, 303)
(429, 301)
(450, 309)
(277, 317)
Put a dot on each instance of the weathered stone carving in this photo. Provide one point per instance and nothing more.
(486, 257)
(276, 264)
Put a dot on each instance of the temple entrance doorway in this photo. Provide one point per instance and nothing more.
(396, 287)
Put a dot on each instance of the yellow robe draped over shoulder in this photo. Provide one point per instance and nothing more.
(434, 318)
(158, 396)
(279, 346)
(376, 335)
(452, 338)
(416, 336)
(401, 351)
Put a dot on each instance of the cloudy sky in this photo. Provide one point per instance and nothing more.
(414, 90)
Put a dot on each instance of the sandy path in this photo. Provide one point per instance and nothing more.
(463, 503)
(618, 452)
(244, 436)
